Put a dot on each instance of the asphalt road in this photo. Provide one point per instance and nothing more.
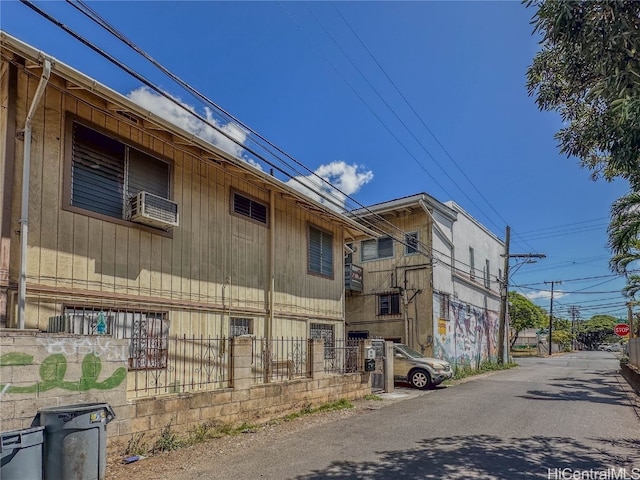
(549, 418)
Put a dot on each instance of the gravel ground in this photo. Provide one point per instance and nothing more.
(161, 465)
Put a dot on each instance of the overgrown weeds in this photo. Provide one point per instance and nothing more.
(168, 440)
(463, 371)
(136, 445)
(371, 396)
(327, 407)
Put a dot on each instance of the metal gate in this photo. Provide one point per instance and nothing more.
(377, 376)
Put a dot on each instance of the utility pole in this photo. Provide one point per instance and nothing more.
(630, 318)
(504, 294)
(574, 311)
(553, 282)
(504, 290)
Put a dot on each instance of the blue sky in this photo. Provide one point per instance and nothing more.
(386, 99)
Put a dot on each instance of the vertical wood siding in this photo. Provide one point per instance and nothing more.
(210, 255)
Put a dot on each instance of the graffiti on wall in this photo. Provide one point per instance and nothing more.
(469, 336)
(53, 369)
(102, 347)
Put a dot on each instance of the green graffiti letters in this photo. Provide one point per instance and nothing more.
(53, 370)
(15, 358)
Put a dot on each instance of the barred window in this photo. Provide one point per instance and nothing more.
(326, 332)
(240, 326)
(148, 332)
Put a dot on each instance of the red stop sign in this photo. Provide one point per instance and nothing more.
(621, 329)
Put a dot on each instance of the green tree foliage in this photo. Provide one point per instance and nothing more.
(562, 338)
(588, 70)
(523, 314)
(596, 330)
(624, 240)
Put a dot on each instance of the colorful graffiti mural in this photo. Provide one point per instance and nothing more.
(468, 337)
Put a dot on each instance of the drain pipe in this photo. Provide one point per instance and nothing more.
(24, 217)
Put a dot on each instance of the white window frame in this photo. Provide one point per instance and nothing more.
(412, 243)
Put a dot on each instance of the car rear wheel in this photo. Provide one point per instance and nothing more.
(420, 379)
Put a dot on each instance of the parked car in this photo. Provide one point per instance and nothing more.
(421, 372)
(610, 347)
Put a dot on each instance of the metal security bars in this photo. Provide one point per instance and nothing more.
(344, 357)
(192, 364)
(279, 359)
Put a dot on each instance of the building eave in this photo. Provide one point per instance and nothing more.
(79, 80)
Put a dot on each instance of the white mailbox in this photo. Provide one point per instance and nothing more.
(371, 353)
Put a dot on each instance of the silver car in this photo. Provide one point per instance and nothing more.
(422, 372)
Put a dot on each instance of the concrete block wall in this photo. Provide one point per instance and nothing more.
(244, 402)
(39, 370)
(634, 352)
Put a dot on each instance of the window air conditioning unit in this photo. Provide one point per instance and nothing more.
(154, 211)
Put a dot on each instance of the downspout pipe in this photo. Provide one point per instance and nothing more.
(272, 263)
(26, 166)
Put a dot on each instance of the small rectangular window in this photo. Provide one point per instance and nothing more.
(472, 264)
(411, 243)
(444, 306)
(240, 326)
(249, 208)
(320, 252)
(487, 274)
(389, 304)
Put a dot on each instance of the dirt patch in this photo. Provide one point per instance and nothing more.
(159, 466)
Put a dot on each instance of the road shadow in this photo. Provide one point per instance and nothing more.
(600, 389)
(487, 457)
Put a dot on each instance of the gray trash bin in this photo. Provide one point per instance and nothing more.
(21, 453)
(75, 441)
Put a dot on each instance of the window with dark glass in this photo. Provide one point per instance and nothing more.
(411, 243)
(389, 304)
(106, 173)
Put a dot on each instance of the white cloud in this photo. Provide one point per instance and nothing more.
(544, 294)
(347, 178)
(184, 118)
